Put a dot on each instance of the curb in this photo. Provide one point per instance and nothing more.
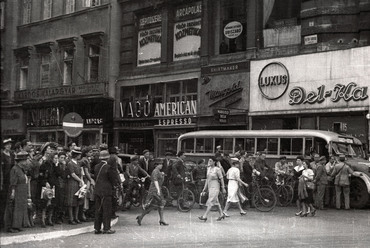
(49, 235)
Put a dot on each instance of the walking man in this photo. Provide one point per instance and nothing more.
(104, 182)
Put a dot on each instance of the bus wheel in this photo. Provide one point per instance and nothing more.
(359, 196)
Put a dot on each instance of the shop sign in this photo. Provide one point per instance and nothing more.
(310, 39)
(223, 94)
(187, 40)
(189, 10)
(142, 109)
(149, 46)
(94, 121)
(150, 20)
(273, 80)
(233, 29)
(351, 91)
(175, 121)
(44, 117)
(232, 67)
(62, 91)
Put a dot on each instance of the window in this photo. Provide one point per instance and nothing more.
(93, 63)
(48, 5)
(90, 3)
(149, 39)
(2, 13)
(185, 90)
(291, 146)
(225, 143)
(188, 145)
(233, 19)
(68, 66)
(204, 145)
(27, 5)
(45, 70)
(244, 144)
(268, 145)
(187, 31)
(70, 6)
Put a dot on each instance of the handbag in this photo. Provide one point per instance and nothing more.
(203, 197)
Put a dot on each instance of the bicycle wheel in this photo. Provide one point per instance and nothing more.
(137, 201)
(264, 199)
(186, 200)
(282, 196)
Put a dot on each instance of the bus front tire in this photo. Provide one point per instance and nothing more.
(359, 197)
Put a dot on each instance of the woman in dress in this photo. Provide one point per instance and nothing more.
(233, 175)
(297, 174)
(214, 176)
(305, 193)
(16, 215)
(74, 182)
(155, 197)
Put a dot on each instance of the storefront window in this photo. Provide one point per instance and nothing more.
(233, 19)
(42, 137)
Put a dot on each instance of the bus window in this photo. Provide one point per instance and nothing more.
(239, 144)
(308, 146)
(187, 145)
(204, 145)
(249, 146)
(228, 146)
(270, 145)
(291, 146)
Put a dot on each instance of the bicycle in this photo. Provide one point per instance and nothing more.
(263, 197)
(283, 192)
(138, 193)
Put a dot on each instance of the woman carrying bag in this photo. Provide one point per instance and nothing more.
(233, 175)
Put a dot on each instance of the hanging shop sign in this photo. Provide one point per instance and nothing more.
(233, 29)
(187, 40)
(149, 46)
(147, 108)
(273, 80)
(62, 91)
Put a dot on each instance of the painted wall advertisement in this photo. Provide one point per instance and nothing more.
(12, 122)
(330, 81)
(149, 41)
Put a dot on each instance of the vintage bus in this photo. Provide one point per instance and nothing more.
(290, 143)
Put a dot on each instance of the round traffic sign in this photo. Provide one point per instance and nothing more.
(73, 124)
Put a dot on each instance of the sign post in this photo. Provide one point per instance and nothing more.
(73, 124)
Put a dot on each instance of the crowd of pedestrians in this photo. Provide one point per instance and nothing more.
(54, 184)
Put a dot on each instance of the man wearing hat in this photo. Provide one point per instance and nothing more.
(146, 162)
(341, 174)
(167, 168)
(105, 180)
(16, 215)
(321, 180)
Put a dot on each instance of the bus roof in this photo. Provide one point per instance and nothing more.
(326, 135)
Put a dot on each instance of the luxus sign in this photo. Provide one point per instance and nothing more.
(273, 80)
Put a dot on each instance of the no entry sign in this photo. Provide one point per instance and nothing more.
(73, 124)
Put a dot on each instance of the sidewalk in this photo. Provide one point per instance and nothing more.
(50, 232)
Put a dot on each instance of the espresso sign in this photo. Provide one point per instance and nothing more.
(273, 80)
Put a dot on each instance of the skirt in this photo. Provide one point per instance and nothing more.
(232, 191)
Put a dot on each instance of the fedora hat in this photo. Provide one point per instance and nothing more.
(22, 155)
(77, 150)
(104, 154)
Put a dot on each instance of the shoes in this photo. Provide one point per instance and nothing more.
(11, 230)
(77, 221)
(58, 222)
(313, 212)
(139, 219)
(221, 217)
(163, 223)
(298, 213)
(243, 213)
(304, 214)
(43, 224)
(225, 214)
(50, 223)
(110, 231)
(72, 222)
(98, 232)
(202, 218)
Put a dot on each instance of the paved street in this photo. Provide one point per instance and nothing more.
(279, 228)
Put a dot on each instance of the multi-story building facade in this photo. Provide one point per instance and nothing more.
(240, 64)
(61, 57)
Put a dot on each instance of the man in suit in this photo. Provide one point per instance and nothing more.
(105, 179)
(321, 180)
(167, 168)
